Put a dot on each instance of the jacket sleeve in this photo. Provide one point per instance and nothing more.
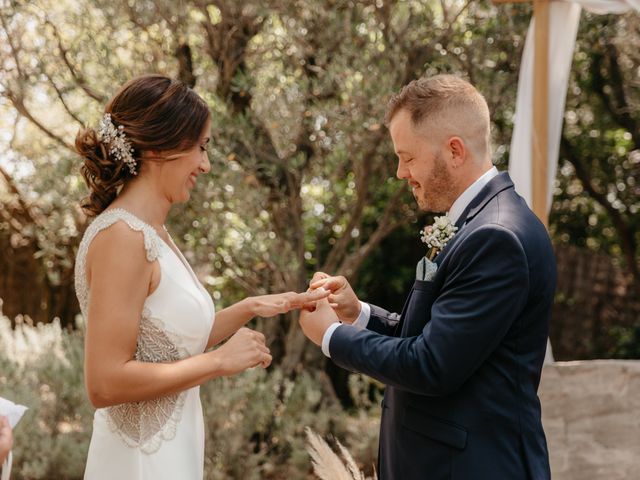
(485, 290)
(382, 321)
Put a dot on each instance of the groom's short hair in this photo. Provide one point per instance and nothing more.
(444, 101)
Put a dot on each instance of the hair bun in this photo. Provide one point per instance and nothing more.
(103, 174)
(151, 113)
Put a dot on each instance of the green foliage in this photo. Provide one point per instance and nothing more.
(256, 425)
(627, 342)
(254, 422)
(597, 196)
(42, 368)
(303, 172)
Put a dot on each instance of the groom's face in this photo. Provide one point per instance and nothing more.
(421, 162)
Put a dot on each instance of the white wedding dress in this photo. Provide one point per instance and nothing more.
(161, 438)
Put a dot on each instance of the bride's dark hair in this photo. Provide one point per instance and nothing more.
(157, 114)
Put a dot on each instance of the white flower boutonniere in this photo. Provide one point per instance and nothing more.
(437, 236)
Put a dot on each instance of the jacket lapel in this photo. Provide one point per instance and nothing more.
(499, 183)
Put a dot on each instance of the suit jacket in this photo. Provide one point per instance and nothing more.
(462, 362)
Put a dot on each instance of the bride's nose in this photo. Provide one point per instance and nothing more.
(205, 164)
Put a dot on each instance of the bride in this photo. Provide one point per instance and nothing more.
(150, 323)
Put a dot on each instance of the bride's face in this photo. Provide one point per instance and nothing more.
(178, 177)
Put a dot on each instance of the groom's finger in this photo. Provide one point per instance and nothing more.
(332, 283)
(320, 283)
(318, 276)
(306, 298)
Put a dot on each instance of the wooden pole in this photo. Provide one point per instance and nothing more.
(540, 140)
(540, 133)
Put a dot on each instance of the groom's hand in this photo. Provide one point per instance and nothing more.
(314, 324)
(342, 299)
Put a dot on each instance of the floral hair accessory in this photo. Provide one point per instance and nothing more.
(117, 142)
(437, 236)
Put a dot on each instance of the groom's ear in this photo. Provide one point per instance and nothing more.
(457, 150)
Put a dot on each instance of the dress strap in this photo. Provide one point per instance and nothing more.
(101, 222)
(109, 217)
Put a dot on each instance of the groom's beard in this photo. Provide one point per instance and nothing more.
(434, 195)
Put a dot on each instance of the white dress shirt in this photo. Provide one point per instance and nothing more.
(454, 214)
(470, 193)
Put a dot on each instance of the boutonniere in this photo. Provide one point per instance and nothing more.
(437, 236)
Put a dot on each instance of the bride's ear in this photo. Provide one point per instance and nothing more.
(151, 155)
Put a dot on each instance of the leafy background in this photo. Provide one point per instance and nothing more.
(303, 179)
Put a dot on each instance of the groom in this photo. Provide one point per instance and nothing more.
(462, 362)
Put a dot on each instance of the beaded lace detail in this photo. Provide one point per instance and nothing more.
(142, 424)
(146, 424)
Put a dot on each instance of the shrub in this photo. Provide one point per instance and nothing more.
(255, 422)
(626, 342)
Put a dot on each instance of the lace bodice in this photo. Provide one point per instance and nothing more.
(174, 324)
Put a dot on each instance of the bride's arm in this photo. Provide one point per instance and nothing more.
(120, 276)
(230, 319)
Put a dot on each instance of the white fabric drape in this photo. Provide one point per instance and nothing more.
(607, 6)
(564, 17)
(563, 27)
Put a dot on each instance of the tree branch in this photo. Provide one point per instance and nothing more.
(185, 62)
(62, 100)
(77, 77)
(615, 103)
(18, 104)
(337, 253)
(15, 191)
(627, 235)
(352, 262)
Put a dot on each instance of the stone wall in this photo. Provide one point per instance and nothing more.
(591, 415)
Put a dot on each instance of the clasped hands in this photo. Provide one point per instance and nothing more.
(340, 305)
(328, 300)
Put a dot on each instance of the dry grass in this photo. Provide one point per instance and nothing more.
(327, 465)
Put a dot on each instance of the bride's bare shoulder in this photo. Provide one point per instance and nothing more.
(118, 246)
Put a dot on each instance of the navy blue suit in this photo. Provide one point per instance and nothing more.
(462, 362)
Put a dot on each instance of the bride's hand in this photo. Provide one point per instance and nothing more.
(6, 438)
(276, 304)
(245, 349)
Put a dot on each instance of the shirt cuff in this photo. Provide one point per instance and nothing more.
(327, 338)
(361, 322)
(363, 318)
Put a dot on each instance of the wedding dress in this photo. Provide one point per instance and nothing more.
(161, 438)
